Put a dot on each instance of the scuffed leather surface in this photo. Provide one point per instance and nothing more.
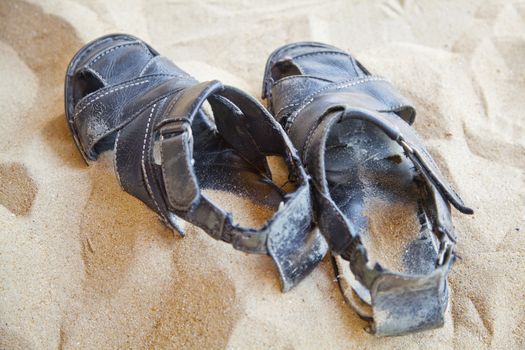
(310, 88)
(121, 95)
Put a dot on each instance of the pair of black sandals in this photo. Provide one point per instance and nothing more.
(360, 181)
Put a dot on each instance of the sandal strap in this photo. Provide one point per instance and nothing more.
(174, 191)
(144, 108)
(400, 303)
(313, 154)
(94, 121)
(176, 145)
(404, 304)
(341, 88)
(357, 101)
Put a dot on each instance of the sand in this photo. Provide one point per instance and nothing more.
(86, 266)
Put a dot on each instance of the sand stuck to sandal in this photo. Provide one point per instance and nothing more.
(86, 266)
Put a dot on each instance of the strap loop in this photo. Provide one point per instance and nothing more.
(176, 150)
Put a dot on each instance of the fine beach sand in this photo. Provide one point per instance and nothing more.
(84, 265)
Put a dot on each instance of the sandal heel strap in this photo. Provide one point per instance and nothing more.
(406, 304)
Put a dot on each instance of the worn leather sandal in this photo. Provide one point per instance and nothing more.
(121, 95)
(380, 200)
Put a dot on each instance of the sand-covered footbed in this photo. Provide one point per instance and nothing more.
(84, 265)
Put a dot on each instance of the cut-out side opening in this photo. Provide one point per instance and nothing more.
(284, 68)
(105, 144)
(85, 83)
(408, 114)
(231, 182)
(372, 182)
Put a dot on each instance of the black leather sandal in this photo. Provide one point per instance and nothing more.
(121, 95)
(380, 200)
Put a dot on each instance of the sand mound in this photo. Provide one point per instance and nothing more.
(84, 265)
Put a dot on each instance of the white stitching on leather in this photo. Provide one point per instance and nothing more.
(148, 186)
(98, 75)
(287, 106)
(289, 47)
(311, 97)
(107, 93)
(95, 94)
(295, 77)
(178, 205)
(320, 53)
(110, 50)
(164, 96)
(306, 147)
(150, 62)
(115, 159)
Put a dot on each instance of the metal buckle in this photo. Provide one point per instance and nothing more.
(174, 127)
(405, 145)
(169, 128)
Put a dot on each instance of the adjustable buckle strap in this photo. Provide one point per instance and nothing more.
(176, 161)
(173, 127)
(405, 304)
(294, 245)
(400, 303)
(176, 145)
(409, 140)
(426, 165)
